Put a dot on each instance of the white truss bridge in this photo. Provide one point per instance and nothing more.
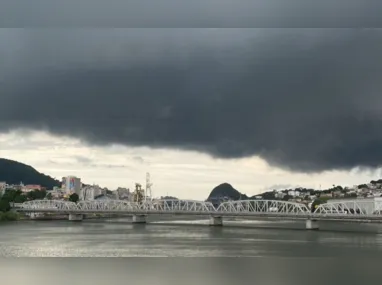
(191, 207)
(349, 211)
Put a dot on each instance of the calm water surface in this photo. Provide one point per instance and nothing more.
(271, 253)
(120, 238)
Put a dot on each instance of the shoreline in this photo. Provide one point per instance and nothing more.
(14, 217)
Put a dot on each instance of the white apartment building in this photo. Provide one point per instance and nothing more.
(294, 193)
(90, 192)
(3, 186)
(280, 195)
(368, 205)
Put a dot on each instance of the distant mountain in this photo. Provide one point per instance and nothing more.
(13, 172)
(226, 190)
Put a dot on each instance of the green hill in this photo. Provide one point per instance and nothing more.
(226, 190)
(14, 172)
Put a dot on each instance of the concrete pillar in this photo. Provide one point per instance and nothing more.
(311, 224)
(75, 217)
(216, 221)
(139, 219)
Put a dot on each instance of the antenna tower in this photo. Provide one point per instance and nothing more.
(148, 186)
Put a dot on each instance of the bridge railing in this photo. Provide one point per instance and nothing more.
(263, 206)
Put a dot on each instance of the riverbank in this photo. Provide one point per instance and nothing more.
(9, 216)
(61, 217)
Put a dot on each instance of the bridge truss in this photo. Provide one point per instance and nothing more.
(54, 205)
(108, 205)
(355, 208)
(262, 206)
(187, 206)
(351, 207)
(179, 206)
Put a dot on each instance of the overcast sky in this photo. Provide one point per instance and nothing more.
(258, 108)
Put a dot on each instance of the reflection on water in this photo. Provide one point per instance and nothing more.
(338, 254)
(120, 238)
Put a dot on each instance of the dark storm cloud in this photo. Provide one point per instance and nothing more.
(307, 100)
(194, 14)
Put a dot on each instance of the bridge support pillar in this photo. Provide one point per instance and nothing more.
(75, 217)
(139, 219)
(216, 221)
(33, 216)
(311, 224)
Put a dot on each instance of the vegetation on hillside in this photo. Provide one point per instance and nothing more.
(14, 172)
(11, 196)
(9, 216)
(317, 202)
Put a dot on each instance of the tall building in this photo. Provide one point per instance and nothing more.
(71, 184)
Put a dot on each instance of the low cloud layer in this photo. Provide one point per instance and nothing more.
(305, 100)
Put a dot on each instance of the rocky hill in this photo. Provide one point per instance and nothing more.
(14, 172)
(226, 190)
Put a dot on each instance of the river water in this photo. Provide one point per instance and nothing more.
(277, 251)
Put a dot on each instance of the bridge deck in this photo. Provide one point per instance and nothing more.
(247, 208)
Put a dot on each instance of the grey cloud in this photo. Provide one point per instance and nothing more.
(279, 187)
(110, 166)
(83, 159)
(305, 100)
(139, 159)
(196, 13)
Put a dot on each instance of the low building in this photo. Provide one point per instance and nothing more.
(31, 187)
(3, 186)
(57, 194)
(280, 195)
(122, 193)
(294, 193)
(365, 205)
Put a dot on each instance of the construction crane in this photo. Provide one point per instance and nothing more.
(139, 193)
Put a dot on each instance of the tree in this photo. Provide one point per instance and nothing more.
(4, 205)
(48, 196)
(11, 194)
(20, 199)
(36, 195)
(74, 198)
(287, 197)
(317, 202)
